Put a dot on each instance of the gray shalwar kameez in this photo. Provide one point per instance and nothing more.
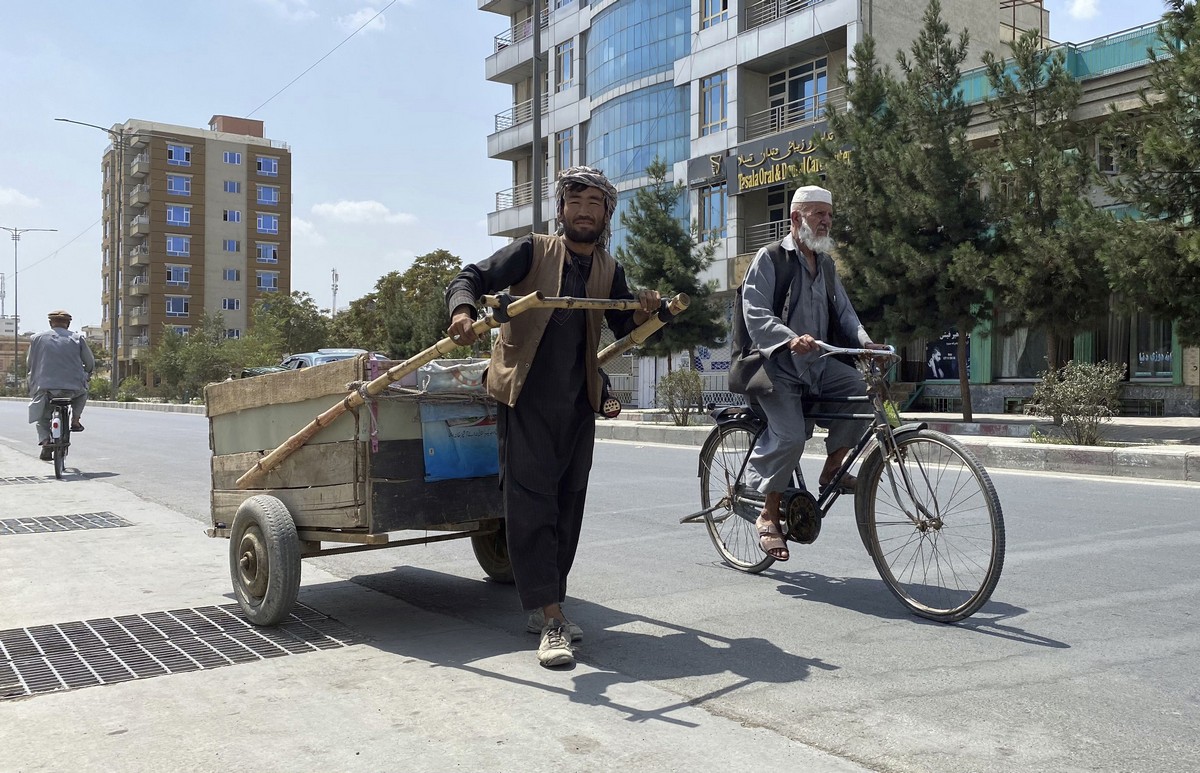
(795, 375)
(60, 364)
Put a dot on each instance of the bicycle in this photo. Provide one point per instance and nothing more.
(926, 510)
(60, 433)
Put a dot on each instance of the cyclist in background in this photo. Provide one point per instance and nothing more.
(60, 364)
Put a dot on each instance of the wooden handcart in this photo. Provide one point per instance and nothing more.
(287, 486)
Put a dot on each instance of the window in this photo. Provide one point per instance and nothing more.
(268, 224)
(233, 186)
(231, 304)
(712, 104)
(712, 212)
(268, 194)
(233, 332)
(230, 157)
(713, 12)
(179, 185)
(232, 275)
(797, 95)
(177, 214)
(268, 166)
(231, 245)
(564, 65)
(180, 246)
(179, 155)
(182, 329)
(1150, 352)
(564, 143)
(267, 281)
(267, 253)
(178, 275)
(177, 305)
(1111, 155)
(231, 215)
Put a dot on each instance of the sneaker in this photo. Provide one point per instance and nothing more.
(555, 648)
(537, 621)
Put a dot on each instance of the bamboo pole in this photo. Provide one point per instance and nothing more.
(445, 346)
(643, 331)
(373, 388)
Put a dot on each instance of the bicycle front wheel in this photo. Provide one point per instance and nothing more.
(933, 525)
(731, 524)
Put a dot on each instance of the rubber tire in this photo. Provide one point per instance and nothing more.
(720, 436)
(64, 442)
(269, 519)
(491, 551)
(870, 476)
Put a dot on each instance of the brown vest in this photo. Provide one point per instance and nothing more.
(519, 338)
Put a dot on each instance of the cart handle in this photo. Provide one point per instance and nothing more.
(443, 347)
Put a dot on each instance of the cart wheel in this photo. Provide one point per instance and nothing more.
(264, 560)
(491, 551)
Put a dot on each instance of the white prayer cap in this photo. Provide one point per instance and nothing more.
(812, 194)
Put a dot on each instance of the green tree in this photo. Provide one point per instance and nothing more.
(185, 364)
(913, 223)
(1155, 261)
(290, 323)
(361, 325)
(1046, 270)
(415, 313)
(660, 253)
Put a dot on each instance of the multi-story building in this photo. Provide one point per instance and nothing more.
(729, 93)
(195, 221)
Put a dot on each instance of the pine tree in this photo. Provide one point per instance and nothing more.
(1046, 269)
(661, 254)
(1155, 261)
(912, 222)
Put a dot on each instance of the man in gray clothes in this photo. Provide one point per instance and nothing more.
(60, 364)
(793, 360)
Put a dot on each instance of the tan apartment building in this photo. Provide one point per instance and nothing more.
(196, 221)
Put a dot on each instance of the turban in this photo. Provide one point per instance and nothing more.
(592, 178)
(812, 194)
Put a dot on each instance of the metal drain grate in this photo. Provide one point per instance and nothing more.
(67, 656)
(14, 481)
(47, 523)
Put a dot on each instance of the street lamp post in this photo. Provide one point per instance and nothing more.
(117, 259)
(16, 238)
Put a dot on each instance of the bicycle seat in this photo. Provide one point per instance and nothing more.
(60, 401)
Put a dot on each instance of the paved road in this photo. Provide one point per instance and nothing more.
(1086, 658)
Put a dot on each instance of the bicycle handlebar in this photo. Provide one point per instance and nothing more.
(830, 349)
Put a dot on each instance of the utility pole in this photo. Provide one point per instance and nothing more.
(539, 68)
(16, 238)
(333, 309)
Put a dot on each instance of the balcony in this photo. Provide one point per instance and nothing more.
(512, 59)
(139, 316)
(759, 235)
(139, 285)
(139, 196)
(140, 255)
(793, 115)
(139, 226)
(140, 166)
(521, 195)
(506, 7)
(760, 12)
(514, 130)
(139, 346)
(139, 139)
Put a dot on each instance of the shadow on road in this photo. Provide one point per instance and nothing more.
(625, 648)
(872, 597)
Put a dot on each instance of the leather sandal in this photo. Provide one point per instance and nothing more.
(77, 427)
(770, 539)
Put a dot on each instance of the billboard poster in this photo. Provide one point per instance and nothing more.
(941, 356)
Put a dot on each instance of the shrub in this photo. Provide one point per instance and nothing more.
(1084, 396)
(680, 392)
(99, 388)
(131, 389)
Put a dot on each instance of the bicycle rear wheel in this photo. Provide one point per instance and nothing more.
(60, 443)
(721, 460)
(944, 562)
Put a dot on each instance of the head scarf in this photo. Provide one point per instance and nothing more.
(592, 178)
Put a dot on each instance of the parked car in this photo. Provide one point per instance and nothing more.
(319, 357)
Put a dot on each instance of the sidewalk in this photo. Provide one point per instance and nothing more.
(383, 686)
(1162, 448)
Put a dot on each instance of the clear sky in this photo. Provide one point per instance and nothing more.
(388, 134)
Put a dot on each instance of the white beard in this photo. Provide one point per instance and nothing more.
(816, 243)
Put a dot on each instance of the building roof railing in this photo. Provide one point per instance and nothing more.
(760, 12)
(1105, 55)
